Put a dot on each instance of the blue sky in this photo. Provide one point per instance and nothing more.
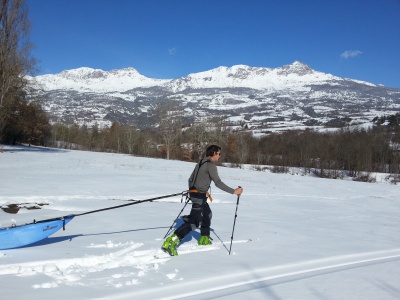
(358, 39)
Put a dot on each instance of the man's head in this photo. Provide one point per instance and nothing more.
(213, 152)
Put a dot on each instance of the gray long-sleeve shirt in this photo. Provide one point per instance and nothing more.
(208, 172)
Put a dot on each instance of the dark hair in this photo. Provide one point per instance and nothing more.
(212, 149)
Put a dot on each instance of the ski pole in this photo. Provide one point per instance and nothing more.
(234, 222)
(186, 202)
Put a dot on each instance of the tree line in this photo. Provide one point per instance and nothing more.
(351, 152)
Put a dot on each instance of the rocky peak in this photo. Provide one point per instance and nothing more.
(296, 67)
(82, 73)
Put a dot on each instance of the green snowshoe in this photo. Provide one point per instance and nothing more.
(170, 244)
(205, 240)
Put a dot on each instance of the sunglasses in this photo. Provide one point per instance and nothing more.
(219, 153)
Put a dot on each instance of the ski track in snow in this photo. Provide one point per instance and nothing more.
(70, 271)
(229, 285)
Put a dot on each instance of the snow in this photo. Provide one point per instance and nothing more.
(86, 79)
(293, 76)
(296, 237)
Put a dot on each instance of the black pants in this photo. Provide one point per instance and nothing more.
(200, 215)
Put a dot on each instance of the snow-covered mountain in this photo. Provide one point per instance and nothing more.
(96, 80)
(294, 94)
(290, 76)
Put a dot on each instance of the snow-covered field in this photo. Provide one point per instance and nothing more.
(295, 238)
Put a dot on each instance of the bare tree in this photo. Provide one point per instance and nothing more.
(15, 59)
(197, 137)
(169, 115)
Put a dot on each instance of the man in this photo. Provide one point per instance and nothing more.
(199, 183)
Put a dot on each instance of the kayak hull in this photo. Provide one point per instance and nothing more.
(19, 236)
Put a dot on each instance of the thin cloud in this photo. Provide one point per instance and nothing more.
(172, 51)
(350, 54)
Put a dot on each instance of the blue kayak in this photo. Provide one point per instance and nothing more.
(22, 235)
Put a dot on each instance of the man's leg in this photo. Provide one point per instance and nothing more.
(205, 225)
(171, 242)
(194, 222)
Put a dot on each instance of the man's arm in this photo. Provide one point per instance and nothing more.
(212, 170)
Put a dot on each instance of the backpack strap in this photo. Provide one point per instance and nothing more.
(197, 173)
(193, 189)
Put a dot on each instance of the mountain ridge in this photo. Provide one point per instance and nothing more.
(294, 94)
(221, 77)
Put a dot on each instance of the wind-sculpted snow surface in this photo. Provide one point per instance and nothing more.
(296, 237)
(72, 271)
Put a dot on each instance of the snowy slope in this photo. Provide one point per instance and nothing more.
(296, 76)
(95, 80)
(310, 238)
